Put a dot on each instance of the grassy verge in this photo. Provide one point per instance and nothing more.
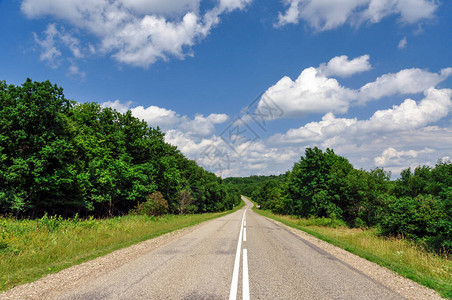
(405, 258)
(30, 249)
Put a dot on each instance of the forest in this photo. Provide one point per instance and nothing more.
(60, 157)
(417, 206)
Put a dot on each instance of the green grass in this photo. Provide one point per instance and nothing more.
(400, 255)
(30, 249)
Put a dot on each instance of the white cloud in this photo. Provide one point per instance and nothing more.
(330, 126)
(197, 139)
(321, 15)
(392, 157)
(315, 92)
(408, 81)
(132, 43)
(167, 119)
(52, 44)
(121, 107)
(370, 143)
(50, 52)
(230, 5)
(157, 116)
(366, 143)
(325, 15)
(410, 115)
(135, 32)
(343, 67)
(410, 11)
(402, 43)
(75, 71)
(311, 92)
(164, 7)
(407, 116)
(204, 126)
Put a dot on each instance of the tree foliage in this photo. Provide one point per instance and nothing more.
(63, 157)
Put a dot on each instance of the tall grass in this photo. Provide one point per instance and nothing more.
(30, 249)
(398, 254)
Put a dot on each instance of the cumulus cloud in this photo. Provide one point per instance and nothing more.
(198, 140)
(343, 67)
(157, 116)
(214, 154)
(311, 92)
(407, 81)
(408, 115)
(205, 126)
(391, 157)
(410, 145)
(135, 32)
(328, 127)
(369, 143)
(316, 91)
(325, 15)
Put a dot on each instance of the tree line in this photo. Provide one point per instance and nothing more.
(62, 157)
(322, 184)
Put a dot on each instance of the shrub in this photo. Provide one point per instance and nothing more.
(3, 234)
(414, 218)
(155, 205)
(185, 200)
(52, 223)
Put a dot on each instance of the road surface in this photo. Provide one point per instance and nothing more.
(239, 256)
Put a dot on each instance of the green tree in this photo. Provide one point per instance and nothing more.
(36, 171)
(314, 185)
(65, 158)
(411, 217)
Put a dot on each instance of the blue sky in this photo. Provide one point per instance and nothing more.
(371, 79)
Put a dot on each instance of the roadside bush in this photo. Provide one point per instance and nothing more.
(415, 218)
(443, 238)
(185, 200)
(3, 233)
(52, 223)
(155, 205)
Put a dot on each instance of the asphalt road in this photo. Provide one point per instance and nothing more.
(239, 256)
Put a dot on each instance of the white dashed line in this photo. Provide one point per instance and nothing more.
(246, 285)
(235, 274)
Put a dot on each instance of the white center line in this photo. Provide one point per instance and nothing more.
(246, 285)
(244, 234)
(235, 274)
